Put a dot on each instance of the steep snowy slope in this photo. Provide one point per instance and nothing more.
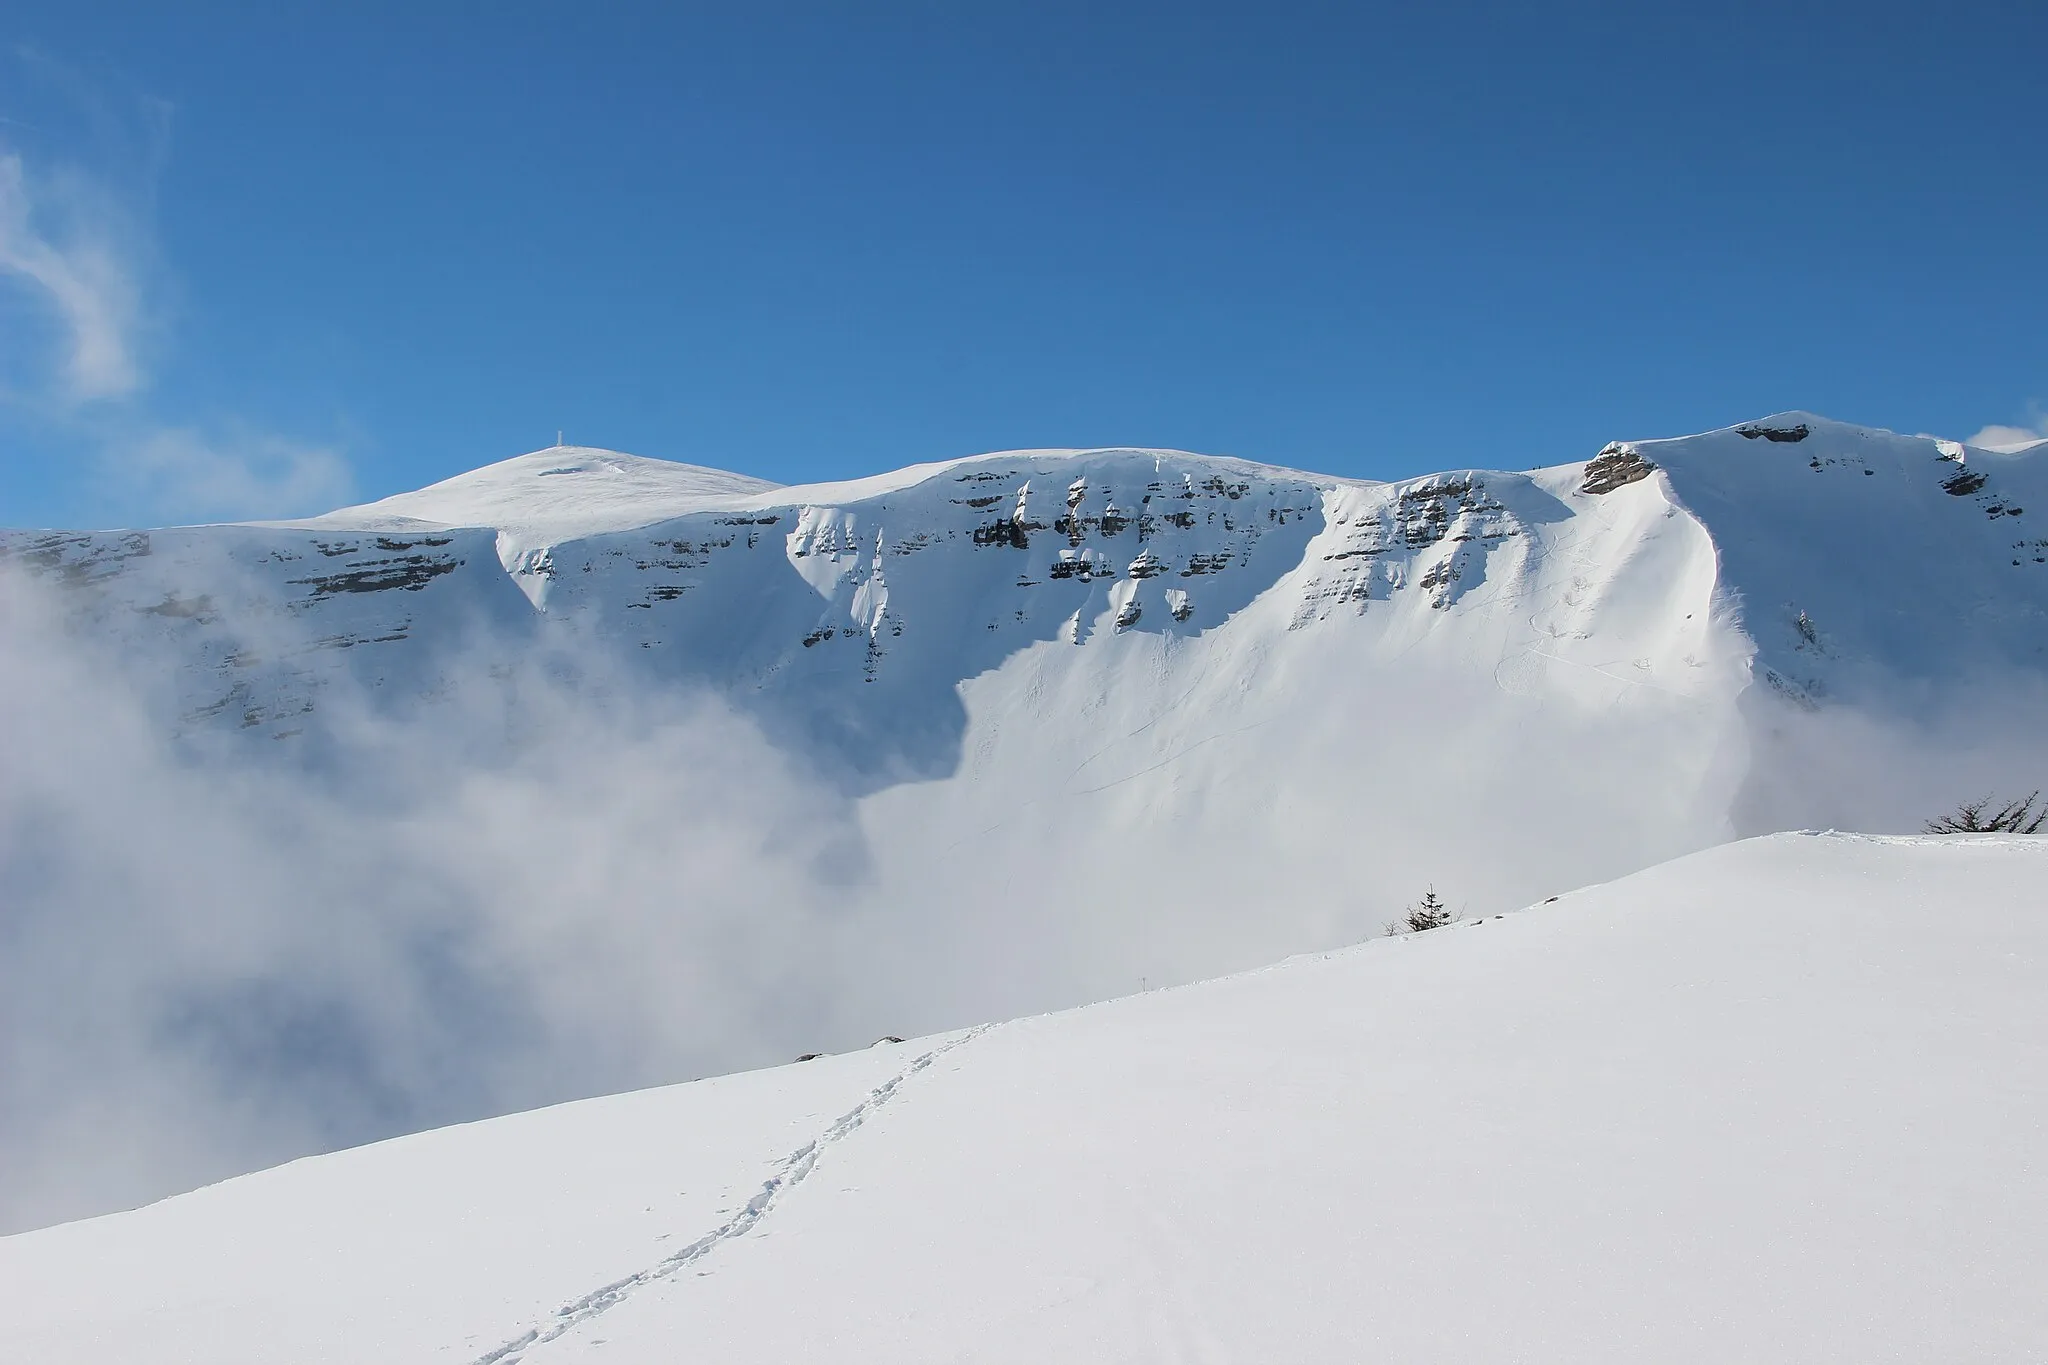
(1779, 1101)
(1865, 559)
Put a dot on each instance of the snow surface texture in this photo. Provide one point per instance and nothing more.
(634, 772)
(1782, 1100)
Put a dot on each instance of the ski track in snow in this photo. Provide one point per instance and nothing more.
(791, 1171)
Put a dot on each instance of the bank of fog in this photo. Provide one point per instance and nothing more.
(562, 882)
(211, 964)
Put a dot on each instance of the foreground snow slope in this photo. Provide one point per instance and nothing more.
(1779, 1101)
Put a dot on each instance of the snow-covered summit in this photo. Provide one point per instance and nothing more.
(558, 493)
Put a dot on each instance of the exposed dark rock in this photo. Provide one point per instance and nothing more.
(1218, 485)
(1423, 523)
(183, 608)
(1615, 467)
(1795, 433)
(74, 561)
(409, 574)
(1437, 492)
(1436, 581)
(1963, 482)
(1009, 531)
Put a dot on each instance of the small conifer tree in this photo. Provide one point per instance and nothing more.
(1428, 913)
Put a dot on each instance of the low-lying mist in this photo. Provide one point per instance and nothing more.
(207, 966)
(558, 881)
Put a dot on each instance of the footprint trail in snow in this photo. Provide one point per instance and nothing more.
(790, 1172)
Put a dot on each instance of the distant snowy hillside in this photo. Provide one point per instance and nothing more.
(1780, 1101)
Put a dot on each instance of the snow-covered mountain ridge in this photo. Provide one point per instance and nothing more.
(1833, 552)
(1779, 1101)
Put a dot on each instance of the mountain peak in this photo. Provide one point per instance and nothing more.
(557, 491)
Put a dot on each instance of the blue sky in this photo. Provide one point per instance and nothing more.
(258, 260)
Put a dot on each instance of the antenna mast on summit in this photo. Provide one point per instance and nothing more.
(558, 438)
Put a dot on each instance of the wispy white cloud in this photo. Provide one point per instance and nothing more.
(82, 289)
(63, 253)
(181, 474)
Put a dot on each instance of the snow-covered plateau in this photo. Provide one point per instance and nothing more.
(581, 773)
(1781, 1100)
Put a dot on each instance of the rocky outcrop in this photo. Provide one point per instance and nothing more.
(1799, 431)
(1617, 466)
